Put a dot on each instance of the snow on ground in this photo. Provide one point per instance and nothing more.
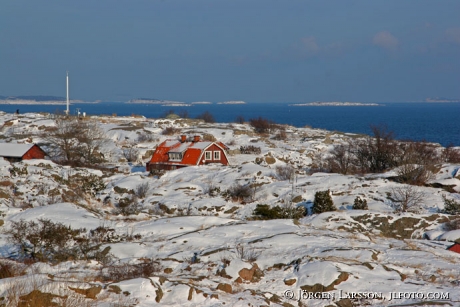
(206, 247)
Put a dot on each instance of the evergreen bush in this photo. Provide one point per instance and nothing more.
(323, 202)
(360, 204)
(265, 212)
(451, 206)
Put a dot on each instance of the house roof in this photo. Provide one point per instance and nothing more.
(192, 151)
(14, 150)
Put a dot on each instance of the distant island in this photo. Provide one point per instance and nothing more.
(36, 100)
(334, 103)
(178, 104)
(232, 102)
(202, 102)
(441, 99)
(154, 101)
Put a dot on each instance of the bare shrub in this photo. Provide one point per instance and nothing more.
(207, 117)
(131, 154)
(124, 271)
(239, 119)
(51, 242)
(170, 131)
(246, 252)
(128, 205)
(341, 160)
(74, 300)
(451, 154)
(261, 125)
(280, 135)
(183, 114)
(285, 172)
(416, 160)
(378, 153)
(240, 193)
(406, 198)
(250, 150)
(452, 225)
(157, 172)
(76, 142)
(142, 189)
(14, 289)
(146, 137)
(209, 137)
(9, 268)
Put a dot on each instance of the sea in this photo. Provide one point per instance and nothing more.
(432, 122)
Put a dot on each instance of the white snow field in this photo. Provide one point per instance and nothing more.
(185, 241)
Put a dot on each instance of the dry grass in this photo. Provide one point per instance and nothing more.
(411, 245)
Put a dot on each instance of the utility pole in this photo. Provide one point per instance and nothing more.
(67, 86)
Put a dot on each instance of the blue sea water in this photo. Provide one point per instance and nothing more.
(434, 122)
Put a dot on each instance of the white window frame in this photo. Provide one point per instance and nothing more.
(208, 155)
(216, 155)
(175, 156)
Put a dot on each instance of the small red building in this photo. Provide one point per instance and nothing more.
(454, 248)
(173, 154)
(18, 152)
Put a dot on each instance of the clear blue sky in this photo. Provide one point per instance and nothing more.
(217, 50)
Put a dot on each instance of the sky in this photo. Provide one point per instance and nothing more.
(219, 50)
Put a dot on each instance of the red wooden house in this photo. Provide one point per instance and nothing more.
(173, 154)
(454, 248)
(18, 152)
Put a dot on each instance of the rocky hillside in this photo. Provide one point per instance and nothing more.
(198, 236)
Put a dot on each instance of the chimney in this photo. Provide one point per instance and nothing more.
(183, 138)
(196, 138)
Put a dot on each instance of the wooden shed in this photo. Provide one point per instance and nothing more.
(18, 152)
(454, 248)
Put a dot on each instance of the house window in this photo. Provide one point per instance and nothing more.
(217, 155)
(207, 155)
(175, 156)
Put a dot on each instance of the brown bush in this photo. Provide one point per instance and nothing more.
(170, 131)
(285, 172)
(416, 162)
(9, 268)
(452, 225)
(240, 193)
(145, 269)
(341, 160)
(209, 137)
(281, 135)
(261, 125)
(207, 117)
(451, 154)
(6, 183)
(239, 119)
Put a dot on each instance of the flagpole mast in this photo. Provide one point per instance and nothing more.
(67, 83)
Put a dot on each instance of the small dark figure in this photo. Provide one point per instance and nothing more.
(195, 258)
(296, 264)
(17, 112)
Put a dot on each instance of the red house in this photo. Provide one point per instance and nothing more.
(454, 248)
(19, 152)
(173, 154)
